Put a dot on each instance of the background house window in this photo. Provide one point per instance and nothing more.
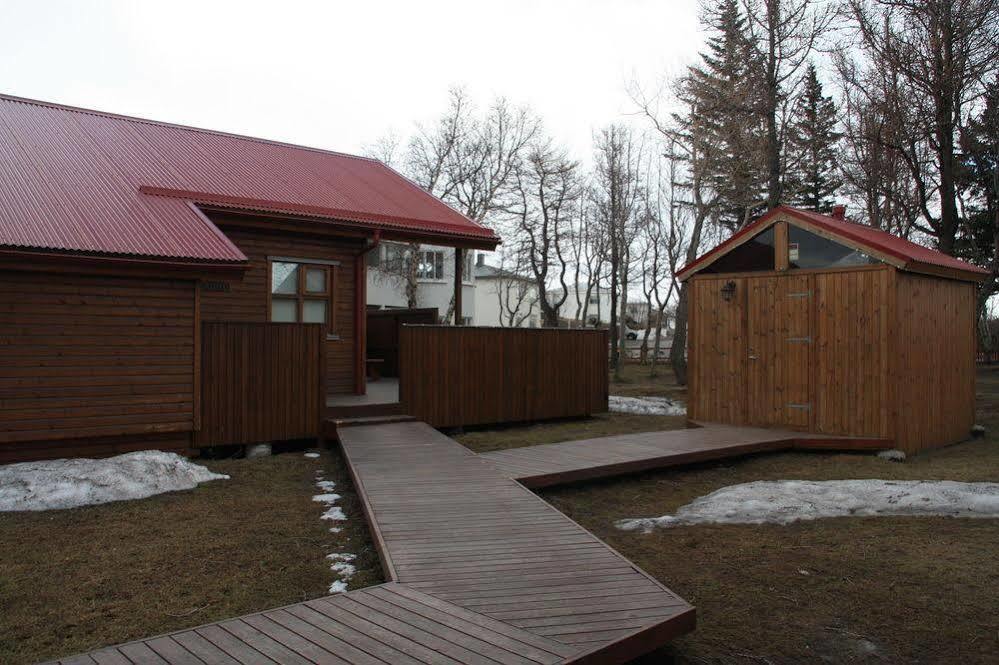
(301, 293)
(430, 265)
(466, 274)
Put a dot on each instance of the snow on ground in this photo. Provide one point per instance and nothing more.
(785, 501)
(341, 562)
(70, 483)
(653, 406)
(342, 566)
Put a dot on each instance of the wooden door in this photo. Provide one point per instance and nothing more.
(779, 347)
(763, 390)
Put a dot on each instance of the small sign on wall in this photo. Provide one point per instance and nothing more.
(792, 251)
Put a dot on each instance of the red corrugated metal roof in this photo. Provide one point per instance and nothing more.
(906, 253)
(85, 181)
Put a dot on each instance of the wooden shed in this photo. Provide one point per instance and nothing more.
(815, 323)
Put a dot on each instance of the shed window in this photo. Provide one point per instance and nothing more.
(754, 255)
(808, 250)
(302, 293)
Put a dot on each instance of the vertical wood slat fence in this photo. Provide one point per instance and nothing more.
(261, 382)
(452, 376)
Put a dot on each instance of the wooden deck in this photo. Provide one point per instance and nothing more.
(481, 569)
(571, 461)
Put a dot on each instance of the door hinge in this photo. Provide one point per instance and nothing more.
(799, 294)
(800, 340)
(803, 407)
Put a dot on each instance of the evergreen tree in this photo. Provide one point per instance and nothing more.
(724, 90)
(978, 181)
(811, 178)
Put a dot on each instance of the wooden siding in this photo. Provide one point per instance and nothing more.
(717, 351)
(247, 300)
(84, 358)
(873, 352)
(935, 368)
(261, 382)
(852, 359)
(455, 376)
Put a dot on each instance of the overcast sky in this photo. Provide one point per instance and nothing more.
(339, 75)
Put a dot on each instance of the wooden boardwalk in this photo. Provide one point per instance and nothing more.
(557, 463)
(481, 569)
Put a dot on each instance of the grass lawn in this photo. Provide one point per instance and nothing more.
(74, 580)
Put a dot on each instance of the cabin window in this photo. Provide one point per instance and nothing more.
(430, 265)
(809, 250)
(301, 292)
(754, 255)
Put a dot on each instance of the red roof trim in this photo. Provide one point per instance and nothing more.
(318, 211)
(904, 251)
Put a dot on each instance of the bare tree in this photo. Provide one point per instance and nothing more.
(617, 193)
(467, 160)
(546, 193)
(940, 53)
(517, 294)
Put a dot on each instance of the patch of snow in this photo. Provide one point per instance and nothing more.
(892, 455)
(653, 406)
(258, 450)
(311, 455)
(341, 562)
(70, 483)
(334, 513)
(786, 501)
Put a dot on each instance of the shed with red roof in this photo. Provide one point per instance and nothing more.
(123, 241)
(816, 323)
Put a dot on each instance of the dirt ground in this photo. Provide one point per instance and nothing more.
(75, 580)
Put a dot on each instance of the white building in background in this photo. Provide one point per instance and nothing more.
(435, 276)
(597, 310)
(504, 298)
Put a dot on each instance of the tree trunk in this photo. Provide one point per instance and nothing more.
(677, 357)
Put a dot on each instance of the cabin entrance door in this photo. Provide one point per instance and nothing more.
(779, 344)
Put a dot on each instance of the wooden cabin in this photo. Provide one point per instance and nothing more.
(170, 287)
(815, 323)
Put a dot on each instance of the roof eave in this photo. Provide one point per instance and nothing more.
(48, 260)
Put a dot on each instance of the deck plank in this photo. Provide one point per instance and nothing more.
(482, 570)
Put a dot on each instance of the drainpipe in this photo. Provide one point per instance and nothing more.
(360, 313)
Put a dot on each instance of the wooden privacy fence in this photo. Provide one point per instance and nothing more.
(451, 376)
(261, 382)
(383, 333)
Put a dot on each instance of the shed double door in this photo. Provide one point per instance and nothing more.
(779, 340)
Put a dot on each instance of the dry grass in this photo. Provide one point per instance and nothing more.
(75, 580)
(636, 382)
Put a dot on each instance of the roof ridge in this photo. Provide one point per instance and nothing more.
(174, 125)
